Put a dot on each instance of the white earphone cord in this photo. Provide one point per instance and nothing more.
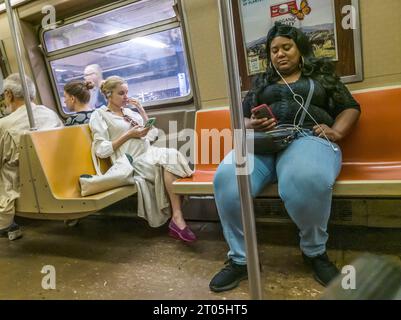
(301, 104)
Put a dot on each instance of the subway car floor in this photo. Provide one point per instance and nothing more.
(123, 258)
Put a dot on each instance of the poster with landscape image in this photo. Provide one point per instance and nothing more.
(315, 17)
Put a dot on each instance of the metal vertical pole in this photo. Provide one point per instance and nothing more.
(18, 55)
(237, 117)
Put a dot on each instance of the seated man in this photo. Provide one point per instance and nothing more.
(11, 129)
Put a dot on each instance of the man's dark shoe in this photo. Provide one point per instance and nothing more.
(13, 232)
(324, 270)
(229, 277)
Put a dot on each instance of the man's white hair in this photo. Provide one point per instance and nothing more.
(14, 84)
(94, 68)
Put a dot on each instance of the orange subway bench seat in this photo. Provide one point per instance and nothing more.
(51, 162)
(371, 153)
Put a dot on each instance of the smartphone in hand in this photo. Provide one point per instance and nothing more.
(263, 111)
(150, 122)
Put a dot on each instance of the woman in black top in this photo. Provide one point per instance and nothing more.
(307, 169)
(331, 98)
(76, 98)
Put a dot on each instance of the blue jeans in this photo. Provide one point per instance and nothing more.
(305, 171)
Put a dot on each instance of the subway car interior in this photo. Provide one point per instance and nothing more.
(77, 201)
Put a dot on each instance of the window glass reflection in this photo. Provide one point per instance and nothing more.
(135, 15)
(154, 67)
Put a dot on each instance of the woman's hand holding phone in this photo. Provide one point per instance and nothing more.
(138, 132)
(262, 118)
(263, 124)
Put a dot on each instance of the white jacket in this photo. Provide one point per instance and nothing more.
(148, 162)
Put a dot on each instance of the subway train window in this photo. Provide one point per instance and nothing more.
(150, 57)
(112, 22)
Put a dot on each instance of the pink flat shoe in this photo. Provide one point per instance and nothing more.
(185, 234)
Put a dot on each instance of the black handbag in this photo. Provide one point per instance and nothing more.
(273, 141)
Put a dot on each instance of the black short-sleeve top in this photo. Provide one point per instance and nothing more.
(279, 97)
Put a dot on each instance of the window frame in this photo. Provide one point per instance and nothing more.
(14, 4)
(120, 37)
(4, 64)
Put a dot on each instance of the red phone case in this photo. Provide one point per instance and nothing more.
(263, 111)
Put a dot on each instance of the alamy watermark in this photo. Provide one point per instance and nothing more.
(349, 20)
(208, 147)
(348, 281)
(49, 20)
(49, 280)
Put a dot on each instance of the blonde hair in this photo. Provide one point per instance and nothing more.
(107, 86)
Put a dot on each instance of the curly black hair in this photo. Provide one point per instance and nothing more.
(319, 69)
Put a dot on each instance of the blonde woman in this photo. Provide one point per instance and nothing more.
(117, 130)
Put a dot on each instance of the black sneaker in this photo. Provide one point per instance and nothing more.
(13, 232)
(324, 270)
(229, 277)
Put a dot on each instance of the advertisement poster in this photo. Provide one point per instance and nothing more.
(314, 17)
